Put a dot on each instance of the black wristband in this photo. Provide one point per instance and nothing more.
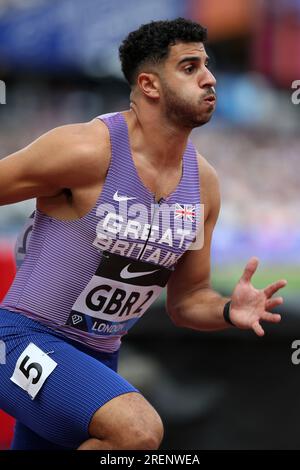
(226, 313)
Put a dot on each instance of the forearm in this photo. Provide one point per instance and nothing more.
(201, 310)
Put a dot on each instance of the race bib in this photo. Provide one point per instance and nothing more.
(119, 293)
(32, 369)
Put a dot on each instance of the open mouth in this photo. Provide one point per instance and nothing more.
(211, 99)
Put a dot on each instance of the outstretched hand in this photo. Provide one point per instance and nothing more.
(249, 305)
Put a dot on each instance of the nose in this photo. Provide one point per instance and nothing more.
(208, 80)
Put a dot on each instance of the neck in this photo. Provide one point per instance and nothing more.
(153, 135)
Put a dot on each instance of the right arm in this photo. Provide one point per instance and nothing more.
(65, 157)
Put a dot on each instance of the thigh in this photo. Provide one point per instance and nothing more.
(126, 418)
(69, 397)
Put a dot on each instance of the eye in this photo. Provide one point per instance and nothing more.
(189, 69)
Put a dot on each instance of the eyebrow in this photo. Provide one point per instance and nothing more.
(192, 59)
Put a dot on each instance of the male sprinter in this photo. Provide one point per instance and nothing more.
(101, 250)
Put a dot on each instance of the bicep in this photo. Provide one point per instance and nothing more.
(24, 176)
(43, 168)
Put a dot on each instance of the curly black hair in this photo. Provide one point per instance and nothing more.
(150, 43)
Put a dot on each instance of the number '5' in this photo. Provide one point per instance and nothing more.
(35, 365)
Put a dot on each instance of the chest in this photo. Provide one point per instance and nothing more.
(160, 182)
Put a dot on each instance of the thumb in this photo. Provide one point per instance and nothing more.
(250, 269)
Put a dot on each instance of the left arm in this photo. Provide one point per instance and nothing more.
(191, 301)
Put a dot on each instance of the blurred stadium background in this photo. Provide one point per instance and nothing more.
(59, 61)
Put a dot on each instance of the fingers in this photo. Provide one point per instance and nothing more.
(250, 269)
(258, 329)
(271, 317)
(271, 303)
(267, 316)
(272, 288)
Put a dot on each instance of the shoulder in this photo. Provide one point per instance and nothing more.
(84, 139)
(81, 149)
(208, 173)
(209, 188)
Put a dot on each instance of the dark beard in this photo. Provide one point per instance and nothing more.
(182, 112)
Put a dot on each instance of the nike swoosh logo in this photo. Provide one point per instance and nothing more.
(118, 198)
(125, 274)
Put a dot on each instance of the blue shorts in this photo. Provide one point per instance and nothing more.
(83, 381)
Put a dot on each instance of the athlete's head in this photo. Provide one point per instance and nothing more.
(167, 63)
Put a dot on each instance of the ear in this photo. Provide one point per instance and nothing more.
(149, 84)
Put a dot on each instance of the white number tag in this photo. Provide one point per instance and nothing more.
(32, 369)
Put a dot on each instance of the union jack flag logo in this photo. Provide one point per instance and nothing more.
(185, 212)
